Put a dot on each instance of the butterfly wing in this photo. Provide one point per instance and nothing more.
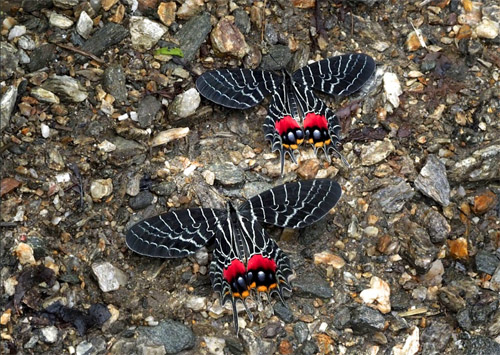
(339, 76)
(293, 205)
(237, 88)
(175, 234)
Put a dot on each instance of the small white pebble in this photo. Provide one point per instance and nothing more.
(133, 115)
(45, 130)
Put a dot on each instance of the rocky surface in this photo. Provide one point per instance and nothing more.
(100, 129)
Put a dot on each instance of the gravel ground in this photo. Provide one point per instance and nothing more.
(100, 130)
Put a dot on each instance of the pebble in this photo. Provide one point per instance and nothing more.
(9, 60)
(49, 334)
(26, 43)
(227, 174)
(201, 256)
(196, 303)
(479, 344)
(145, 33)
(164, 137)
(434, 276)
(392, 89)
(41, 57)
(84, 348)
(328, 258)
(487, 29)
(166, 12)
(432, 181)
(393, 197)
(109, 277)
(242, 20)
(84, 25)
(192, 34)
(209, 177)
(437, 226)
(215, 346)
(101, 188)
(185, 104)
(411, 345)
(16, 31)
(283, 312)
(142, 200)
(7, 103)
(484, 202)
(114, 82)
(308, 168)
(312, 286)
(375, 152)
(24, 253)
(66, 87)
(378, 295)
(45, 130)
(106, 146)
(65, 4)
(228, 40)
(174, 336)
(365, 320)
(486, 262)
(147, 110)
(416, 244)
(43, 95)
(103, 39)
(60, 21)
(301, 332)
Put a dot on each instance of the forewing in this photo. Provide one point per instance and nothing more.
(293, 205)
(237, 88)
(175, 234)
(340, 76)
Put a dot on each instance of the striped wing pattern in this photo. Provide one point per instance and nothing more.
(237, 88)
(339, 76)
(174, 234)
(246, 260)
(294, 205)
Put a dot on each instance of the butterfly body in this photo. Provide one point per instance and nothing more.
(246, 260)
(295, 115)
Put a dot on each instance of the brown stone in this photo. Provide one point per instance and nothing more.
(118, 15)
(285, 347)
(304, 4)
(458, 248)
(227, 39)
(484, 202)
(166, 12)
(7, 185)
(308, 169)
(108, 4)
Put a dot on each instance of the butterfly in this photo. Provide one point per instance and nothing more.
(295, 114)
(246, 260)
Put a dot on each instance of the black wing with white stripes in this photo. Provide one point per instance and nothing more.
(339, 76)
(237, 88)
(175, 234)
(293, 205)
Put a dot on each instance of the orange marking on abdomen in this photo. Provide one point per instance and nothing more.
(315, 120)
(285, 124)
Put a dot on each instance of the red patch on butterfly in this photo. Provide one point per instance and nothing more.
(259, 262)
(234, 269)
(285, 124)
(314, 120)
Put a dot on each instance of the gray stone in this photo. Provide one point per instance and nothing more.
(437, 226)
(26, 43)
(366, 320)
(482, 165)
(309, 348)
(84, 25)
(16, 31)
(42, 56)
(375, 152)
(486, 262)
(141, 201)
(65, 4)
(417, 247)
(392, 198)
(84, 348)
(44, 95)
(432, 181)
(9, 60)
(278, 58)
(125, 150)
(174, 336)
(254, 344)
(464, 320)
(114, 82)
(49, 334)
(146, 112)
(435, 337)
(185, 104)
(301, 332)
(242, 20)
(311, 285)
(103, 39)
(7, 103)
(164, 188)
(145, 33)
(66, 87)
(36, 5)
(252, 189)
(227, 174)
(60, 21)
(481, 345)
(192, 34)
(283, 312)
(110, 278)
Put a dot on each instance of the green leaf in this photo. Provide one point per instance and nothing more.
(170, 51)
